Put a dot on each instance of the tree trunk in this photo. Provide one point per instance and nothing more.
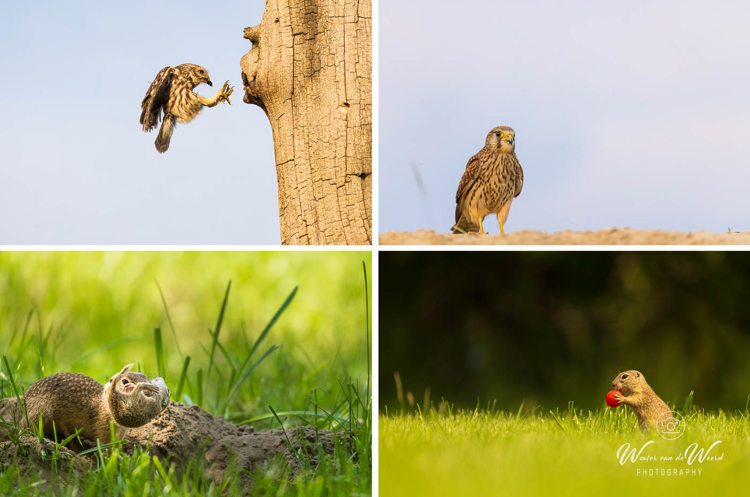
(310, 70)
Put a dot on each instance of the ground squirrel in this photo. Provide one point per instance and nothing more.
(641, 398)
(74, 400)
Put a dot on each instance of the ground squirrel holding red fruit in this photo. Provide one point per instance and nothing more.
(76, 401)
(641, 398)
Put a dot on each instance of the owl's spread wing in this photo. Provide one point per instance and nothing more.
(156, 98)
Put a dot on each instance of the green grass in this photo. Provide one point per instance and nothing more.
(486, 452)
(277, 339)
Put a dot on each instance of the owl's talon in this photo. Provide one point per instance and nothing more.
(226, 91)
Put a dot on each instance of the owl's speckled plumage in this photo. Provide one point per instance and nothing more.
(493, 178)
(171, 93)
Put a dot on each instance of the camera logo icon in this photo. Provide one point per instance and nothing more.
(670, 425)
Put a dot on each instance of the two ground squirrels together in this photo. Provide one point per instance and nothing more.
(641, 398)
(75, 401)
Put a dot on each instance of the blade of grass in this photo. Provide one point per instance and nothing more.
(319, 415)
(82, 359)
(217, 329)
(169, 318)
(286, 436)
(25, 327)
(257, 343)
(96, 449)
(271, 323)
(25, 336)
(159, 352)
(21, 404)
(367, 325)
(183, 377)
(244, 377)
(199, 397)
(226, 355)
(688, 403)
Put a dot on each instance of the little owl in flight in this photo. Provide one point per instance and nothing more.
(172, 93)
(493, 178)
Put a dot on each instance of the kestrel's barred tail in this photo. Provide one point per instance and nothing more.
(463, 225)
(171, 95)
(165, 133)
(493, 178)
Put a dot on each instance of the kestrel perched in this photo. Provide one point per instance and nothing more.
(172, 93)
(493, 178)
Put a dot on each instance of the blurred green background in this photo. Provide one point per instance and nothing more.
(546, 328)
(93, 312)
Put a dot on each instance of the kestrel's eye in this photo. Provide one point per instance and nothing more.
(624, 376)
(498, 134)
(125, 381)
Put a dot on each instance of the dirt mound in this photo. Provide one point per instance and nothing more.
(40, 458)
(182, 433)
(185, 433)
(612, 236)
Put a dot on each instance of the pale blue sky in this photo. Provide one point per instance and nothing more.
(75, 166)
(629, 114)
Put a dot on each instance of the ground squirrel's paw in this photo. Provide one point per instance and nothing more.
(160, 383)
(619, 397)
(164, 391)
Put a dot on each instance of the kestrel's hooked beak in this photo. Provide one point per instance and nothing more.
(510, 139)
(209, 83)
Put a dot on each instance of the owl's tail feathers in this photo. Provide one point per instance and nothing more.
(165, 133)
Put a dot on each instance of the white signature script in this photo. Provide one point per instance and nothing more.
(692, 453)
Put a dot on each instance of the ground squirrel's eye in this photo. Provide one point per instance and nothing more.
(125, 381)
(624, 376)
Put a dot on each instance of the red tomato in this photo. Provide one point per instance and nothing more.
(611, 400)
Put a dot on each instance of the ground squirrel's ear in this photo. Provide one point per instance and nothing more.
(123, 371)
(637, 375)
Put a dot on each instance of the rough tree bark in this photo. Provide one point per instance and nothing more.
(310, 70)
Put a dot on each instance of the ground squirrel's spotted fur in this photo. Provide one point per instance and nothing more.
(641, 398)
(74, 400)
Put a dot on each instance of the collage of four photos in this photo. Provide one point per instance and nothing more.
(355, 248)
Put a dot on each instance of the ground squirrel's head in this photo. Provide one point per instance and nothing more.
(133, 399)
(630, 382)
